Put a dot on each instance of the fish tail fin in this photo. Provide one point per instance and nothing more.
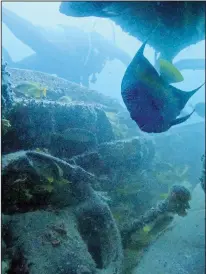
(44, 92)
(189, 94)
(192, 92)
(184, 96)
(181, 119)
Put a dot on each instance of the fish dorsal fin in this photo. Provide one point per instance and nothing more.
(169, 72)
(141, 49)
(183, 96)
(140, 69)
(181, 119)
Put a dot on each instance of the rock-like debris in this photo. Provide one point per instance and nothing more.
(67, 230)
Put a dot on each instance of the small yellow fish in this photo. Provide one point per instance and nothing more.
(60, 171)
(64, 181)
(30, 89)
(117, 216)
(5, 122)
(163, 195)
(48, 188)
(5, 126)
(121, 191)
(185, 170)
(50, 179)
(112, 116)
(65, 99)
(45, 150)
(147, 228)
(169, 72)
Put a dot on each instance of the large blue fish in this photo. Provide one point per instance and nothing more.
(152, 102)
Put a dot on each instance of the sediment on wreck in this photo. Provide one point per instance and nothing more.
(140, 18)
(34, 124)
(57, 217)
(53, 49)
(6, 91)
